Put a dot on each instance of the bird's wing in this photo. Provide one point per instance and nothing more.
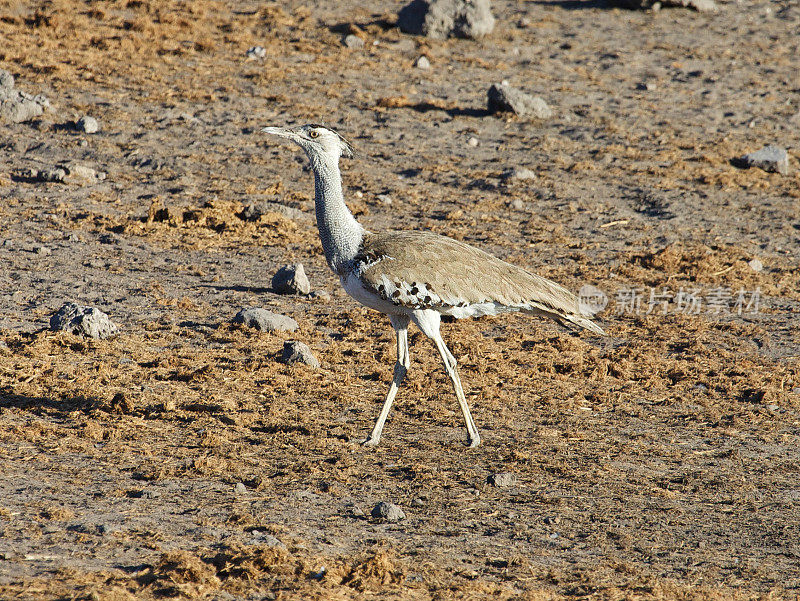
(421, 269)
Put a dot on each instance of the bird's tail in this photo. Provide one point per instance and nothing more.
(585, 323)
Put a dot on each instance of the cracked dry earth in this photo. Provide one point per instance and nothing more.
(181, 459)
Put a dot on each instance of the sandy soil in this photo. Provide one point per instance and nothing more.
(658, 463)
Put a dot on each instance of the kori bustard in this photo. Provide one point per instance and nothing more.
(416, 276)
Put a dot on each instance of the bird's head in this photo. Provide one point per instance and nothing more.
(317, 140)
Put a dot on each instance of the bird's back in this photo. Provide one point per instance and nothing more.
(425, 270)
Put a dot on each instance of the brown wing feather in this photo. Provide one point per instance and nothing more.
(459, 274)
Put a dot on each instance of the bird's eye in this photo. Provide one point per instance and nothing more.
(313, 133)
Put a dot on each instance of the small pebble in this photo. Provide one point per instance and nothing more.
(353, 41)
(646, 85)
(385, 199)
(473, 141)
(291, 279)
(502, 480)
(756, 265)
(267, 539)
(298, 352)
(319, 574)
(239, 488)
(388, 511)
(423, 63)
(769, 158)
(322, 295)
(256, 52)
(87, 124)
(265, 321)
(518, 173)
(517, 204)
(504, 98)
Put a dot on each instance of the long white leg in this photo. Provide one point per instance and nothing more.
(428, 322)
(400, 325)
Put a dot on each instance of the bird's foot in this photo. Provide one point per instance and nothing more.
(371, 442)
(474, 442)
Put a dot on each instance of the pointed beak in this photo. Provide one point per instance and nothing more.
(280, 131)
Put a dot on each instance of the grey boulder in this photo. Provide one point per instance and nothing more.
(441, 19)
(83, 321)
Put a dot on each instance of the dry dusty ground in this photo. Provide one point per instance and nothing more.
(658, 463)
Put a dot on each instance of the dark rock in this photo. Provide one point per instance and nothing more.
(769, 158)
(502, 480)
(88, 125)
(440, 19)
(265, 321)
(17, 106)
(388, 511)
(83, 321)
(291, 279)
(298, 352)
(353, 41)
(254, 211)
(503, 98)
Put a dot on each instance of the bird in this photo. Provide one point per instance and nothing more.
(415, 276)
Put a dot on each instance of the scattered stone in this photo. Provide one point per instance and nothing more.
(441, 19)
(473, 141)
(353, 41)
(265, 321)
(423, 63)
(756, 265)
(502, 480)
(291, 279)
(81, 173)
(770, 158)
(418, 502)
(701, 6)
(44, 175)
(322, 295)
(648, 86)
(88, 125)
(298, 352)
(83, 321)
(254, 211)
(518, 174)
(73, 173)
(517, 204)
(267, 539)
(385, 199)
(17, 106)
(388, 511)
(42, 251)
(354, 511)
(256, 52)
(240, 488)
(503, 98)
